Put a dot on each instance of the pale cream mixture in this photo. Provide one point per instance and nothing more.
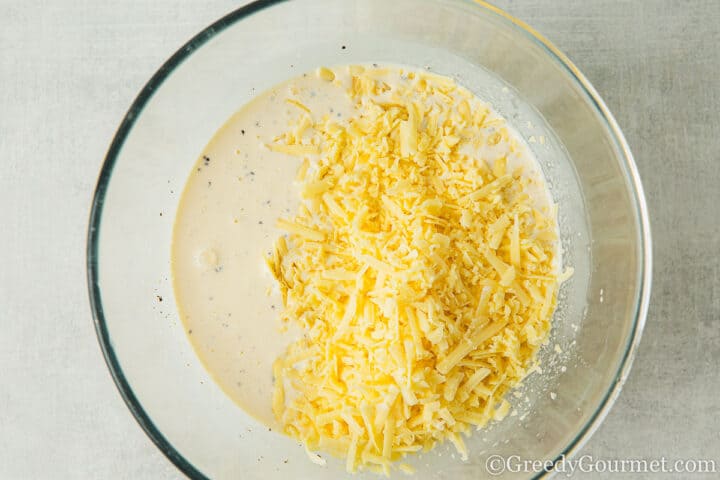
(226, 224)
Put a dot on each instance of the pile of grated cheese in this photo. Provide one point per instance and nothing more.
(421, 271)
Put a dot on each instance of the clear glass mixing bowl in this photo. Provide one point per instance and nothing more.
(603, 218)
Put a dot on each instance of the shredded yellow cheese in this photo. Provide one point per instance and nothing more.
(418, 266)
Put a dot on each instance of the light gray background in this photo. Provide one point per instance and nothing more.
(69, 70)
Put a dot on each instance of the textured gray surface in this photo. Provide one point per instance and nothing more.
(70, 69)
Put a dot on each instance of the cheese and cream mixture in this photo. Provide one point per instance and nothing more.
(366, 258)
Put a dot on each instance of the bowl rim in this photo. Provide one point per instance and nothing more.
(638, 197)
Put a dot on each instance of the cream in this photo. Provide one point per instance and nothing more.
(226, 223)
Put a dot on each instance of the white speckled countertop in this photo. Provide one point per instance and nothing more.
(70, 69)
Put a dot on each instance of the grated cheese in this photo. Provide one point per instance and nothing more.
(418, 266)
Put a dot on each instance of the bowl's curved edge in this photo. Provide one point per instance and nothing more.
(196, 42)
(645, 265)
(98, 200)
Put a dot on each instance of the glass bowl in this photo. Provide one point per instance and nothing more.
(588, 165)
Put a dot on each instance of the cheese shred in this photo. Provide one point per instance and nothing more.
(419, 268)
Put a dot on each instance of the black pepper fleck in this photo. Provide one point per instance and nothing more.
(161, 214)
(206, 160)
(190, 332)
(252, 172)
(159, 298)
(260, 222)
(242, 131)
(343, 47)
(285, 461)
